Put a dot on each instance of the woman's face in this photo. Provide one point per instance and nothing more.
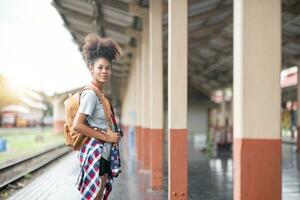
(101, 70)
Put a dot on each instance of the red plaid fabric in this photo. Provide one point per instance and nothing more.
(115, 161)
(88, 182)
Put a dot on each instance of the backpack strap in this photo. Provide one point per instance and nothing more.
(114, 121)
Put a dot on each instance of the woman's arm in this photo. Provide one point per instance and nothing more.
(80, 126)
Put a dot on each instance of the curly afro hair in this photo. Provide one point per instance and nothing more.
(96, 47)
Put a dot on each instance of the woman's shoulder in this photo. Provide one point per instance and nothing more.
(88, 94)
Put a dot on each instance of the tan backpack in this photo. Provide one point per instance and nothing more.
(74, 139)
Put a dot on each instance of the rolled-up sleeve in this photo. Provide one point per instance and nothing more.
(88, 100)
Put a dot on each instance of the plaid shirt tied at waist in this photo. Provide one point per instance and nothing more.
(88, 182)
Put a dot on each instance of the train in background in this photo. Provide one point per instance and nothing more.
(24, 116)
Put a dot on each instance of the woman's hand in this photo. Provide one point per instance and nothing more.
(113, 137)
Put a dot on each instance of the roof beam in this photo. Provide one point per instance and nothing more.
(288, 39)
(209, 14)
(88, 19)
(292, 8)
(297, 17)
(218, 63)
(199, 87)
(132, 8)
(211, 28)
(204, 41)
(79, 6)
(137, 10)
(127, 31)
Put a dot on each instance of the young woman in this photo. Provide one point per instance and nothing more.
(99, 53)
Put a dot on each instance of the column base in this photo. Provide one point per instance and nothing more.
(138, 142)
(178, 164)
(257, 169)
(146, 149)
(156, 159)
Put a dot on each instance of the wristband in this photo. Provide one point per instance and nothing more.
(102, 131)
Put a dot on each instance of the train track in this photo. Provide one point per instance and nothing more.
(19, 168)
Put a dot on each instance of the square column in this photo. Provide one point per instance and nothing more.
(145, 155)
(257, 93)
(298, 113)
(177, 100)
(156, 95)
(138, 136)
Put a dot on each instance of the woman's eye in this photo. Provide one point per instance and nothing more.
(106, 68)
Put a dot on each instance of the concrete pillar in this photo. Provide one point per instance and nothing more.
(213, 125)
(177, 101)
(257, 63)
(230, 122)
(221, 122)
(58, 114)
(138, 131)
(298, 113)
(222, 114)
(156, 95)
(142, 104)
(213, 117)
(145, 96)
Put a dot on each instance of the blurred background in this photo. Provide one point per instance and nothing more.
(38, 59)
(41, 63)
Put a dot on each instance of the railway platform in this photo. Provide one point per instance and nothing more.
(55, 183)
(209, 178)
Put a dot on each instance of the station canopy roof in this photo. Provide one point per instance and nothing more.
(210, 36)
